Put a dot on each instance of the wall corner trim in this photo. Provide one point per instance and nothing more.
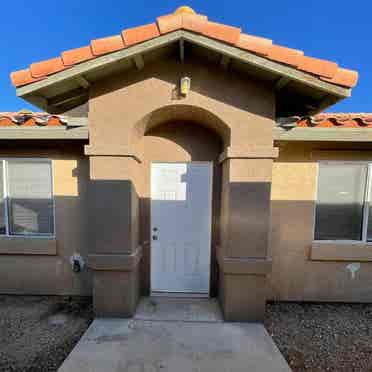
(115, 262)
(250, 153)
(111, 150)
(248, 266)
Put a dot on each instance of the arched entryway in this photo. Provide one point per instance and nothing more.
(184, 155)
(183, 137)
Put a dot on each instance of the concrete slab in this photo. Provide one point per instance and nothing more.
(182, 309)
(114, 345)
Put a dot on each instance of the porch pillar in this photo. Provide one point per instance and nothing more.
(113, 229)
(245, 225)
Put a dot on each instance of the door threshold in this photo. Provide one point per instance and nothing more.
(179, 294)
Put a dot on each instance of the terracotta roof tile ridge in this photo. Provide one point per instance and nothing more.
(31, 119)
(328, 120)
(336, 119)
(184, 18)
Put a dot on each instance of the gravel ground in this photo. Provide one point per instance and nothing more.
(322, 337)
(38, 332)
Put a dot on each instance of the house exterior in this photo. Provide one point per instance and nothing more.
(185, 157)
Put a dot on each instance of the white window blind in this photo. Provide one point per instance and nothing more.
(28, 206)
(343, 202)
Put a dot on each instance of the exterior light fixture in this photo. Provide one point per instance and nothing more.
(185, 85)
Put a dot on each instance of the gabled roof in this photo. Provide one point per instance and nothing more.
(303, 85)
(185, 19)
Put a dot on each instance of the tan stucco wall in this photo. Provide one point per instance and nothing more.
(123, 110)
(123, 107)
(295, 277)
(31, 273)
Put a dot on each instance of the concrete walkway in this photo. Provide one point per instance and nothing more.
(171, 345)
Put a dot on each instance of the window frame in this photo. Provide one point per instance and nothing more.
(38, 235)
(366, 201)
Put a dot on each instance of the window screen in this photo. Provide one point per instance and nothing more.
(340, 199)
(30, 197)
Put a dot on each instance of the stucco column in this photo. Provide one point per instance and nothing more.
(245, 225)
(113, 228)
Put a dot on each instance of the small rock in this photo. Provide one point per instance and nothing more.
(58, 319)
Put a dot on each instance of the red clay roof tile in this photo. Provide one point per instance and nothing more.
(74, 56)
(6, 122)
(107, 45)
(140, 34)
(54, 121)
(194, 22)
(186, 21)
(23, 77)
(29, 122)
(285, 55)
(169, 23)
(329, 120)
(227, 34)
(317, 66)
(185, 18)
(30, 119)
(323, 120)
(346, 78)
(254, 44)
(50, 66)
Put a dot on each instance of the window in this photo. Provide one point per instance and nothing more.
(342, 208)
(27, 205)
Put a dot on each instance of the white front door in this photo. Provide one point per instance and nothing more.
(181, 220)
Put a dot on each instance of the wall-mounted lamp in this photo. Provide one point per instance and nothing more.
(185, 85)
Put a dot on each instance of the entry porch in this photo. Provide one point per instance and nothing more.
(164, 335)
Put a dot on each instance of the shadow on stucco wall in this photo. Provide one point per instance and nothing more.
(30, 273)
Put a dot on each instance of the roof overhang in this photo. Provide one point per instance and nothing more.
(286, 130)
(69, 88)
(74, 128)
(323, 134)
(71, 132)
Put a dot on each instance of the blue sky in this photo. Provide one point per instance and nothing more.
(340, 31)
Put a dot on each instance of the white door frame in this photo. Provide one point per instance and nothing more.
(183, 294)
